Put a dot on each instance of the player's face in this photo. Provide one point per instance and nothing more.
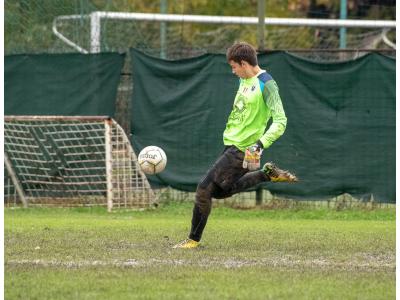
(238, 69)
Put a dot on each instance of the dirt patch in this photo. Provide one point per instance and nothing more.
(384, 263)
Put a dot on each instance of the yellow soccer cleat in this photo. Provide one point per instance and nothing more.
(278, 175)
(187, 244)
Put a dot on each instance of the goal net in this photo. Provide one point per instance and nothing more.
(61, 26)
(72, 161)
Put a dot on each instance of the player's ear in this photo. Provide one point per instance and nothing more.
(243, 63)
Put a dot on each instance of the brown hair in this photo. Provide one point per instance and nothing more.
(242, 51)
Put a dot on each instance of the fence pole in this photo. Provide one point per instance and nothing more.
(163, 29)
(259, 196)
(343, 16)
(261, 24)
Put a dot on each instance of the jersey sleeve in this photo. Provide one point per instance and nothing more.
(279, 120)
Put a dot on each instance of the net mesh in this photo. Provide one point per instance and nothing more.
(63, 161)
(188, 40)
(30, 25)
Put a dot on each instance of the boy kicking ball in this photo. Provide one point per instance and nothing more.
(238, 167)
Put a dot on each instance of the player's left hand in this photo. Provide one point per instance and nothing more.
(256, 148)
(252, 156)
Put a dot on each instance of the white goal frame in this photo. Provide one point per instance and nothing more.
(97, 16)
(73, 160)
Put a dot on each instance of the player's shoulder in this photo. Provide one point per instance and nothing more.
(264, 77)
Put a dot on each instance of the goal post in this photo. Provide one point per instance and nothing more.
(73, 161)
(97, 31)
(17, 185)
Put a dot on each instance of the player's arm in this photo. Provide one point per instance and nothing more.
(279, 120)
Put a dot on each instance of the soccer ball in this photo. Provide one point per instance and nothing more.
(152, 160)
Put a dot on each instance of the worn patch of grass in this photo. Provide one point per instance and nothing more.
(264, 254)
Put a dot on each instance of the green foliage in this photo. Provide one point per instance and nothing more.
(27, 24)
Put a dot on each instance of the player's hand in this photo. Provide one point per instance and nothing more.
(252, 156)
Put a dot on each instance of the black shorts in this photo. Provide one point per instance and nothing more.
(226, 171)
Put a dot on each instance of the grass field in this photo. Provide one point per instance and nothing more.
(87, 253)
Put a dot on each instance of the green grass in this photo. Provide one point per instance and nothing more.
(87, 253)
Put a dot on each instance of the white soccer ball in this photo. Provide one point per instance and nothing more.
(152, 160)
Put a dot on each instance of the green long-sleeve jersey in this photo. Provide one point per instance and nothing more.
(256, 101)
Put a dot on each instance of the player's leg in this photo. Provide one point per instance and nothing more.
(245, 182)
(269, 172)
(201, 211)
(224, 179)
(202, 207)
(226, 170)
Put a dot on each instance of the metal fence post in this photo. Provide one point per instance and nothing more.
(259, 196)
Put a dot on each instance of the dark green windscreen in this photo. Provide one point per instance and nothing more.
(61, 84)
(340, 136)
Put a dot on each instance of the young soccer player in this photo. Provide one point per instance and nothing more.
(245, 137)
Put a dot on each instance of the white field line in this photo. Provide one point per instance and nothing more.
(319, 263)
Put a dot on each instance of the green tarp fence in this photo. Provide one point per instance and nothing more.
(61, 84)
(340, 136)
